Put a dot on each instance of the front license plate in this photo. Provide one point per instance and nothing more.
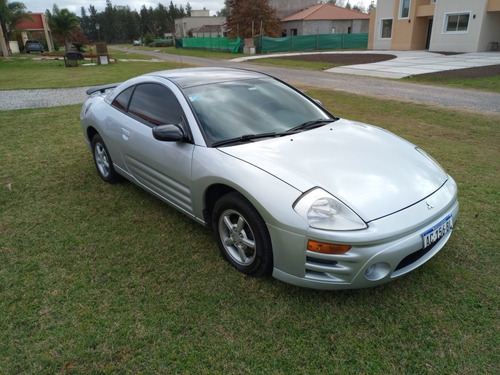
(433, 234)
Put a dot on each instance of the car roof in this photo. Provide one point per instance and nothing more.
(188, 77)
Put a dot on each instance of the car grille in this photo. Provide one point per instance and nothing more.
(413, 257)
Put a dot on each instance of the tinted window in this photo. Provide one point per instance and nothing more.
(155, 104)
(121, 101)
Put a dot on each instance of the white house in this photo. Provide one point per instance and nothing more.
(198, 19)
(441, 26)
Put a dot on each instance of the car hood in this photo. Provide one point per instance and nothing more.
(373, 171)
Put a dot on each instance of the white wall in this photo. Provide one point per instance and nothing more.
(467, 41)
(385, 10)
(490, 31)
(183, 25)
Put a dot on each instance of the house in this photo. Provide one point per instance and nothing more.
(38, 27)
(284, 8)
(326, 19)
(440, 26)
(209, 31)
(198, 18)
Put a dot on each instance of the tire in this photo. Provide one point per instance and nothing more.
(103, 162)
(242, 235)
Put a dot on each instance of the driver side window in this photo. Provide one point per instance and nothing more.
(153, 105)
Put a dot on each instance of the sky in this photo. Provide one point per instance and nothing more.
(39, 6)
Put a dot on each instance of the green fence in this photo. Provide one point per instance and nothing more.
(291, 43)
(218, 44)
(312, 42)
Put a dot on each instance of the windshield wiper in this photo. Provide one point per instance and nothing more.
(311, 125)
(250, 137)
(245, 138)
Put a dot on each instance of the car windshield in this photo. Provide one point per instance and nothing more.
(241, 109)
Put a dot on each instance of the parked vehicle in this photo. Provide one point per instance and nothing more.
(33, 46)
(287, 187)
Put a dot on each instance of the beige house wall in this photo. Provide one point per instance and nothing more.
(371, 30)
(493, 6)
(411, 33)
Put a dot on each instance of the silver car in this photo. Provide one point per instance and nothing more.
(287, 187)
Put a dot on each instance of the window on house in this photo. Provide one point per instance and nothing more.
(404, 8)
(457, 22)
(386, 29)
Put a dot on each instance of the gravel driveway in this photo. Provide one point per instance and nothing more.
(19, 99)
(384, 89)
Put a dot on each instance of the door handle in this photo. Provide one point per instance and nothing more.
(125, 134)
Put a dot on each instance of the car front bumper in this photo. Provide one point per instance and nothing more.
(391, 247)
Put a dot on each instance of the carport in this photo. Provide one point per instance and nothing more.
(38, 22)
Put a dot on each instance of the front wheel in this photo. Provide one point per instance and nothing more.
(103, 161)
(242, 235)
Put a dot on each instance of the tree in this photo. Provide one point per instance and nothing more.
(63, 22)
(224, 12)
(250, 18)
(339, 3)
(10, 14)
(359, 7)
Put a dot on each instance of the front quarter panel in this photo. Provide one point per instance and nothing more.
(272, 197)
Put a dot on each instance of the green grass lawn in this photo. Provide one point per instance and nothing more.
(294, 64)
(489, 83)
(33, 72)
(209, 54)
(99, 278)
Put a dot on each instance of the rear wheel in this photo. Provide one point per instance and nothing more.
(103, 161)
(242, 235)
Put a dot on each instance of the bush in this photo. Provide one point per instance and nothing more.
(148, 39)
(79, 46)
(168, 43)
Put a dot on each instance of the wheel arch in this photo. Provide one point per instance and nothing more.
(91, 132)
(212, 194)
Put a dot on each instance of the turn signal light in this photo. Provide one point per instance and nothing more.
(327, 248)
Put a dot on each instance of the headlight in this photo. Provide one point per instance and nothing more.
(322, 210)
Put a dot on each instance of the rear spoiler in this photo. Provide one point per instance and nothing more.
(102, 88)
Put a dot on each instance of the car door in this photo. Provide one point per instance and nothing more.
(163, 168)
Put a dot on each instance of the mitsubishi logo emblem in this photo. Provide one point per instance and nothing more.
(429, 206)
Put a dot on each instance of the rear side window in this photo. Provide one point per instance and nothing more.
(121, 101)
(154, 104)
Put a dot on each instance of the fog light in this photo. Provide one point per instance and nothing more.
(377, 271)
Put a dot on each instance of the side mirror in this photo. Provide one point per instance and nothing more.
(169, 133)
(318, 102)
